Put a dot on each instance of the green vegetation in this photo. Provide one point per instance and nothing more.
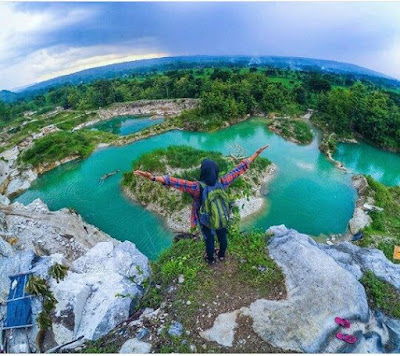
(344, 106)
(184, 162)
(58, 271)
(381, 295)
(384, 232)
(328, 143)
(373, 115)
(59, 145)
(38, 287)
(294, 130)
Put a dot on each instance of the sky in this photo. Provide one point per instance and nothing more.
(39, 41)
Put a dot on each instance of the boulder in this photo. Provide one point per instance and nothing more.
(135, 346)
(21, 182)
(358, 260)
(4, 200)
(318, 290)
(176, 329)
(359, 220)
(99, 291)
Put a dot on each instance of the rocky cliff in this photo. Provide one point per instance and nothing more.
(103, 284)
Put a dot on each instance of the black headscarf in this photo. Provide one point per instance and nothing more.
(209, 172)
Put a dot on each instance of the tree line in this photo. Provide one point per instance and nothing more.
(345, 105)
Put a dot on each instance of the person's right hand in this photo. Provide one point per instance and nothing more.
(143, 174)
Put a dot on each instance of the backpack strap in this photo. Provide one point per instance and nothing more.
(203, 192)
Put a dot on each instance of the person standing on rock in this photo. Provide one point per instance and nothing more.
(208, 186)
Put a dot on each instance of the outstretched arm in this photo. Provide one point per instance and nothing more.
(183, 185)
(242, 167)
(257, 153)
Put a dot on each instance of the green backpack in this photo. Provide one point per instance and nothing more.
(215, 207)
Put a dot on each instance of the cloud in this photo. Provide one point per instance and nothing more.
(23, 30)
(52, 62)
(43, 40)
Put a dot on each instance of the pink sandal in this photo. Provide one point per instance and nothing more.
(342, 322)
(350, 339)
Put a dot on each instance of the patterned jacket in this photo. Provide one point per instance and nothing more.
(193, 187)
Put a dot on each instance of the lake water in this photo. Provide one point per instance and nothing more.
(126, 125)
(308, 193)
(363, 158)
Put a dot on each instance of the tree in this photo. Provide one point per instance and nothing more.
(4, 112)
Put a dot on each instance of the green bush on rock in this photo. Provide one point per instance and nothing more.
(381, 295)
(294, 130)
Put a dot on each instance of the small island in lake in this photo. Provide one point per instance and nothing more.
(184, 162)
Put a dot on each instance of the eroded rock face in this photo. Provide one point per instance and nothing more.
(98, 292)
(8, 161)
(103, 283)
(46, 232)
(359, 220)
(357, 260)
(96, 295)
(364, 204)
(318, 290)
(19, 181)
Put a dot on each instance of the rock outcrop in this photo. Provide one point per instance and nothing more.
(322, 282)
(12, 180)
(46, 232)
(103, 284)
(364, 204)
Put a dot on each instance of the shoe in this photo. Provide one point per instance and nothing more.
(220, 258)
(342, 322)
(350, 339)
(207, 260)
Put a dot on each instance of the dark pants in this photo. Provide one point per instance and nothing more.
(209, 241)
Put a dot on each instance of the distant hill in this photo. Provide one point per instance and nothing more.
(8, 96)
(170, 63)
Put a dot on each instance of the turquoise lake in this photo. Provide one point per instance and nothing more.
(307, 193)
(126, 125)
(363, 158)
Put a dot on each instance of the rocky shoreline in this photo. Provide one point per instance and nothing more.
(322, 282)
(14, 179)
(154, 108)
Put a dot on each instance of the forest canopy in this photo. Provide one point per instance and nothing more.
(344, 106)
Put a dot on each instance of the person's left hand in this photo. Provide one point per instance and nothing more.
(262, 149)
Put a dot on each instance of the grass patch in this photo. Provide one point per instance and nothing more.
(381, 295)
(248, 273)
(59, 145)
(293, 130)
(384, 231)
